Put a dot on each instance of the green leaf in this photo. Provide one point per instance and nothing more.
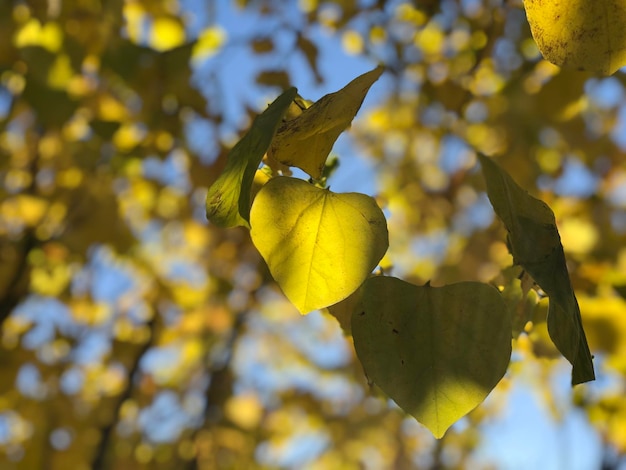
(535, 244)
(306, 141)
(436, 351)
(228, 198)
(319, 246)
(580, 34)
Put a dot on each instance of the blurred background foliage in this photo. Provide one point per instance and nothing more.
(137, 336)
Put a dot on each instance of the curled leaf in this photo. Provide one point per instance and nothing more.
(535, 244)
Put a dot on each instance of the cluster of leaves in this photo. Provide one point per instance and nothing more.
(437, 351)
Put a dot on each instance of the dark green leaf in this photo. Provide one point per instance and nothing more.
(228, 199)
(535, 244)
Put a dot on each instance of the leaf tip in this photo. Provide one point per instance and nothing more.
(437, 429)
(583, 374)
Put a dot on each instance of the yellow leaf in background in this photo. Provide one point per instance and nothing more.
(129, 409)
(192, 352)
(580, 34)
(378, 35)
(14, 82)
(319, 246)
(49, 36)
(12, 328)
(431, 39)
(50, 146)
(60, 73)
(486, 81)
(352, 42)
(127, 137)
(134, 16)
(190, 296)
(606, 326)
(111, 380)
(169, 203)
(617, 430)
(164, 141)
(579, 236)
(76, 128)
(244, 410)
(409, 13)
(70, 178)
(123, 329)
(218, 320)
(142, 194)
(196, 235)
(110, 109)
(573, 109)
(378, 120)
(50, 282)
(28, 35)
(28, 210)
(166, 33)
(88, 313)
(192, 323)
(209, 43)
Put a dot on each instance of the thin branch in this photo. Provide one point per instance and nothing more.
(99, 459)
(18, 286)
(220, 387)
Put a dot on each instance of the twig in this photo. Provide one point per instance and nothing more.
(220, 387)
(18, 286)
(98, 462)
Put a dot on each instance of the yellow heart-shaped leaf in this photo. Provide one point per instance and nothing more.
(319, 246)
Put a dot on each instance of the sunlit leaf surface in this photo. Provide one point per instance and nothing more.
(319, 246)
